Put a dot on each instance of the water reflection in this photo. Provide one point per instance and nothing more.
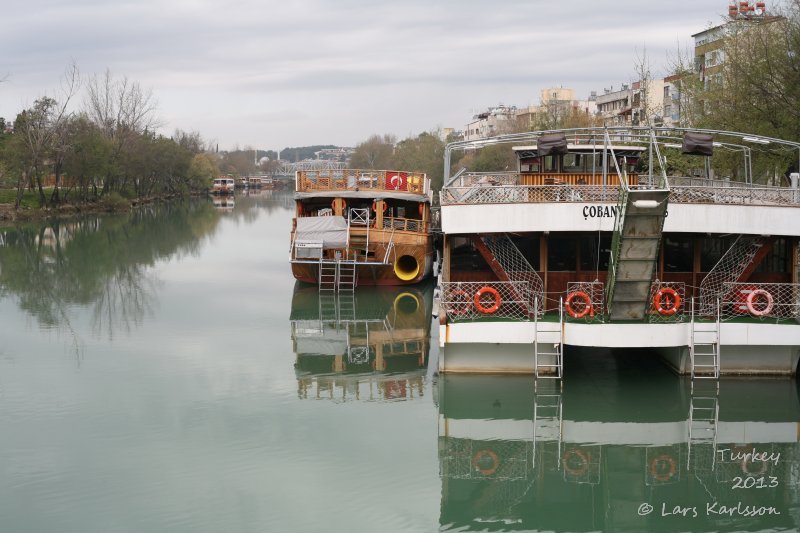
(369, 345)
(667, 456)
(100, 262)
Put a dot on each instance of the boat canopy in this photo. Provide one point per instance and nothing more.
(330, 231)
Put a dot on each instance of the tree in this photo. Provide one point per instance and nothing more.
(422, 153)
(202, 170)
(374, 153)
(122, 110)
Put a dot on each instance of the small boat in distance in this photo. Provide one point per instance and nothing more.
(223, 185)
(361, 227)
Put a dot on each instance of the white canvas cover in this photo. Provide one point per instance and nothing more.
(331, 231)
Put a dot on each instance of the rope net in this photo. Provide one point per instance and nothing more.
(728, 269)
(516, 267)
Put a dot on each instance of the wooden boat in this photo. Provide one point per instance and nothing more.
(361, 227)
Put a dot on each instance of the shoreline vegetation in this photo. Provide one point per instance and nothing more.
(28, 211)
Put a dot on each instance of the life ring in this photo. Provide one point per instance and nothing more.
(375, 206)
(580, 460)
(421, 209)
(587, 304)
(487, 310)
(751, 302)
(478, 458)
(460, 306)
(333, 204)
(657, 471)
(671, 304)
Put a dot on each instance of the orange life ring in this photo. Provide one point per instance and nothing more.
(580, 467)
(478, 458)
(751, 303)
(333, 204)
(487, 310)
(656, 470)
(421, 209)
(587, 304)
(375, 206)
(667, 309)
(460, 306)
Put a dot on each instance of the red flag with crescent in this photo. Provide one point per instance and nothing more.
(397, 181)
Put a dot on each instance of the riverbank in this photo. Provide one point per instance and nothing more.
(111, 204)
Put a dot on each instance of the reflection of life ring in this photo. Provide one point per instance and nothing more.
(671, 303)
(587, 304)
(663, 467)
(576, 462)
(748, 472)
(478, 459)
(487, 310)
(751, 302)
(459, 302)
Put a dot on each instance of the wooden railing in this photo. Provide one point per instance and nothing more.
(362, 180)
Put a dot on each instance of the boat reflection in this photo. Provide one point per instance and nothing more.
(666, 457)
(371, 344)
(223, 202)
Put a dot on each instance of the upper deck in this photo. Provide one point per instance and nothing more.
(362, 183)
(737, 188)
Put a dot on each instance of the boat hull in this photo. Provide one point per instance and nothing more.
(372, 274)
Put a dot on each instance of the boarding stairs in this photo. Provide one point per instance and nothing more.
(704, 346)
(636, 242)
(703, 423)
(548, 423)
(735, 266)
(509, 264)
(548, 346)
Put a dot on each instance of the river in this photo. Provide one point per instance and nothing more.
(162, 371)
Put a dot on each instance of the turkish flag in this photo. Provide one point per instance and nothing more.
(397, 181)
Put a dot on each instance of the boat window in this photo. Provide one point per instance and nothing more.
(561, 254)
(678, 253)
(573, 163)
(590, 249)
(777, 261)
(711, 251)
(551, 163)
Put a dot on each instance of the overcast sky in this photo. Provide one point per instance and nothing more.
(269, 74)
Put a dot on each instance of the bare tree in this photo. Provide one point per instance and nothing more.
(122, 110)
(43, 132)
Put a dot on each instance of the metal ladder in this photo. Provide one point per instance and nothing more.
(547, 417)
(337, 276)
(703, 420)
(704, 349)
(551, 361)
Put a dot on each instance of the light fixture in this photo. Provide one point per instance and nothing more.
(758, 140)
(645, 204)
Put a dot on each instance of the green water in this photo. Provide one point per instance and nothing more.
(161, 371)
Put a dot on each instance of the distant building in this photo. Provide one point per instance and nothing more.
(493, 121)
(340, 155)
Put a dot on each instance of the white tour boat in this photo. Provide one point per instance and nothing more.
(680, 241)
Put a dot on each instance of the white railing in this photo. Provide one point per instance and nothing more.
(470, 300)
